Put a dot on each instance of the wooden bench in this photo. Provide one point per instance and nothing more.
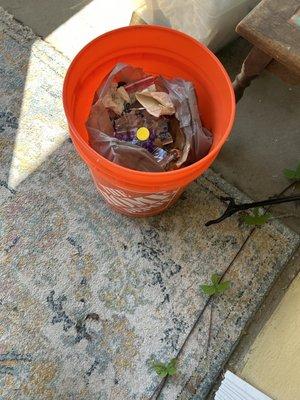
(273, 27)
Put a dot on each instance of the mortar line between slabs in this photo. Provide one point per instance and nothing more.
(160, 387)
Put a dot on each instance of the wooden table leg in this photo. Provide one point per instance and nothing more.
(254, 64)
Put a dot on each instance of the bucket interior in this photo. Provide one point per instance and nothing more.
(158, 51)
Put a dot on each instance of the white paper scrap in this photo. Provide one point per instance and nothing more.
(234, 388)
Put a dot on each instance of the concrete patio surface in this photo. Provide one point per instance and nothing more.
(66, 239)
(266, 136)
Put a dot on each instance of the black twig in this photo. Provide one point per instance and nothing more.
(233, 208)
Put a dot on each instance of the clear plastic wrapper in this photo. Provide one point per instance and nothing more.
(147, 123)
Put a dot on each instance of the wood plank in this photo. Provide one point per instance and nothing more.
(268, 28)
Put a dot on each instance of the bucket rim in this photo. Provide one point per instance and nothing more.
(100, 160)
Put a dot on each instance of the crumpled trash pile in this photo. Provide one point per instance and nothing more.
(146, 122)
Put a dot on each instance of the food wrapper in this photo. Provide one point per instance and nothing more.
(128, 99)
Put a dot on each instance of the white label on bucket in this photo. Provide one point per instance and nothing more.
(136, 203)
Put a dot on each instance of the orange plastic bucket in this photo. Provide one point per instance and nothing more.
(157, 50)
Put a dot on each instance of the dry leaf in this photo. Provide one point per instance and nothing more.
(123, 94)
(180, 142)
(99, 119)
(156, 103)
(113, 99)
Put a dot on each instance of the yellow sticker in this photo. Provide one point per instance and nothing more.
(143, 133)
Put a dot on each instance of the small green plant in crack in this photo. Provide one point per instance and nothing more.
(256, 218)
(292, 174)
(216, 287)
(165, 369)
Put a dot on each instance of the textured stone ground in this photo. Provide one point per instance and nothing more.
(88, 297)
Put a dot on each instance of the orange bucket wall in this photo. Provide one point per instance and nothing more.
(161, 51)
